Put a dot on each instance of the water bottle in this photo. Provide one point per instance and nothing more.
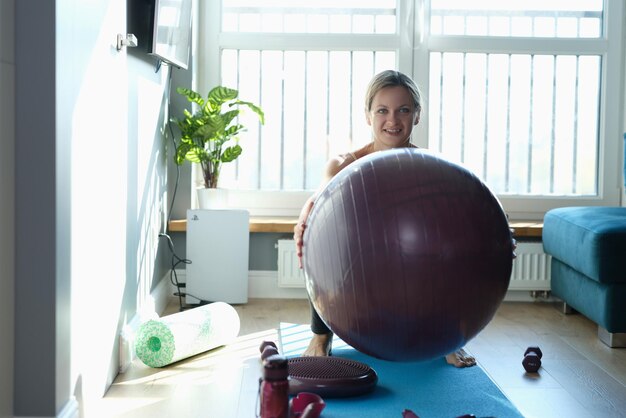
(275, 387)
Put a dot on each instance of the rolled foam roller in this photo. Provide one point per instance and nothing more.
(181, 335)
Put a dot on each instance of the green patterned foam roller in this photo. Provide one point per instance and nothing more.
(181, 335)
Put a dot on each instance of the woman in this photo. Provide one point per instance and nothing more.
(392, 109)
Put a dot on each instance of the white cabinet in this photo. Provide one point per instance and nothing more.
(217, 246)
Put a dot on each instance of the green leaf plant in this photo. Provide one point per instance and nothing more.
(209, 136)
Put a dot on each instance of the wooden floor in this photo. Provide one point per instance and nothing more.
(580, 376)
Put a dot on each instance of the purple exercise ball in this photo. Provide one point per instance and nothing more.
(407, 256)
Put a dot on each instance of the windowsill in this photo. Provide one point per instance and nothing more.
(285, 224)
(280, 224)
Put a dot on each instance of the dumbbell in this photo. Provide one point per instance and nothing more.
(268, 348)
(532, 359)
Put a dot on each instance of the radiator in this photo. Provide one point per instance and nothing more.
(289, 273)
(531, 268)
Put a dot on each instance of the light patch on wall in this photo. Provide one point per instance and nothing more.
(99, 195)
(150, 134)
(150, 102)
(150, 220)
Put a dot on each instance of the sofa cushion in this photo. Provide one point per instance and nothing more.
(602, 303)
(592, 240)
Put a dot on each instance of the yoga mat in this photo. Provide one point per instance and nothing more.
(181, 335)
(429, 388)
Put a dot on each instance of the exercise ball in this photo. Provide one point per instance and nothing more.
(406, 255)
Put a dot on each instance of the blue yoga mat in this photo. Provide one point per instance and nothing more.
(430, 388)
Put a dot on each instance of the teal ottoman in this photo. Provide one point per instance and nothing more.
(588, 249)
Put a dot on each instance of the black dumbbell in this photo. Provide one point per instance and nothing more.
(532, 359)
(265, 343)
(268, 348)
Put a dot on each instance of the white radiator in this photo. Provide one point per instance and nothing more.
(531, 268)
(289, 273)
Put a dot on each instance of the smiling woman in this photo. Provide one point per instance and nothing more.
(392, 115)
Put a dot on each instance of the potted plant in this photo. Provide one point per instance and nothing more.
(209, 136)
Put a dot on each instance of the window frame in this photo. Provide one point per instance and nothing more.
(413, 49)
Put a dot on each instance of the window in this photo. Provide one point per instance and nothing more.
(516, 91)
(531, 18)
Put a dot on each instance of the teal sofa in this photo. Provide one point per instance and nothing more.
(588, 249)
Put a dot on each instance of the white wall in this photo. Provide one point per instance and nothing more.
(112, 105)
(7, 220)
(89, 138)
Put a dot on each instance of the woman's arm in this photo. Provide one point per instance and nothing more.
(333, 166)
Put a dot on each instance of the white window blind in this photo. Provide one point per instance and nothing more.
(526, 124)
(517, 91)
(314, 104)
(530, 18)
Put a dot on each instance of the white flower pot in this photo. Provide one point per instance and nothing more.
(212, 198)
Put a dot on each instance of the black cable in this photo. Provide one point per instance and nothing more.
(176, 260)
(169, 125)
(169, 213)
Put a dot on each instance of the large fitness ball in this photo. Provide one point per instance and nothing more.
(406, 256)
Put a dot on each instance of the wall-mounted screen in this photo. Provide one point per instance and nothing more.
(171, 37)
(163, 29)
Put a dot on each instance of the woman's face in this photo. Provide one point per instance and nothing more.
(392, 117)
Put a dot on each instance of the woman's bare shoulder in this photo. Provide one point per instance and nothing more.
(363, 151)
(341, 161)
(336, 164)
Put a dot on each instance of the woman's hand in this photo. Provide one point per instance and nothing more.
(298, 230)
(298, 233)
(514, 241)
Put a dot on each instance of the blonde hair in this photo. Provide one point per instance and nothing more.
(392, 78)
